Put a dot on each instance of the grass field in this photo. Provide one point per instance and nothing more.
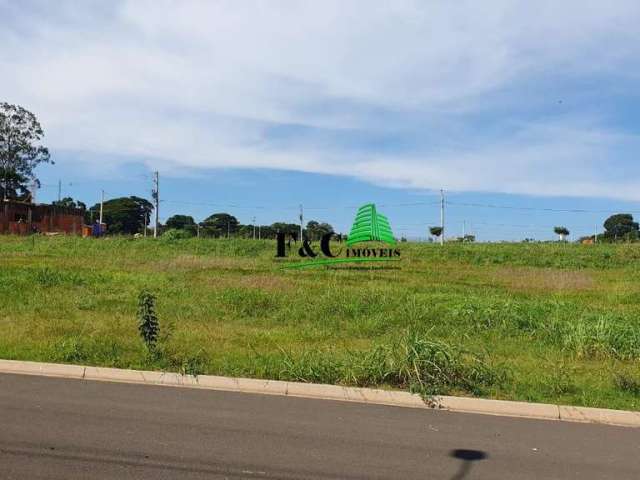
(537, 322)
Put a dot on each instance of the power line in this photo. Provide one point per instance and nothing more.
(540, 209)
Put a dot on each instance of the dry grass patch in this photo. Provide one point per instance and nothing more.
(542, 279)
(199, 262)
(269, 283)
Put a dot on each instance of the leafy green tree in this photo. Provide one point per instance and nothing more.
(246, 231)
(68, 202)
(620, 226)
(220, 225)
(124, 215)
(316, 230)
(20, 150)
(266, 231)
(562, 232)
(286, 228)
(181, 222)
(435, 231)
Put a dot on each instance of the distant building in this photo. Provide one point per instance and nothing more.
(22, 218)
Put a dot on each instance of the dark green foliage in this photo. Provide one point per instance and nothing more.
(621, 227)
(562, 231)
(286, 228)
(435, 231)
(220, 225)
(148, 324)
(180, 222)
(174, 234)
(20, 152)
(68, 202)
(124, 215)
(316, 230)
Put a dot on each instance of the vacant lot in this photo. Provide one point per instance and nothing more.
(538, 322)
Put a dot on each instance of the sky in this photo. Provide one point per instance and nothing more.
(256, 107)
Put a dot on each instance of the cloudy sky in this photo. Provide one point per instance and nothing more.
(525, 103)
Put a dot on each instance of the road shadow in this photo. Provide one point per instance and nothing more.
(467, 457)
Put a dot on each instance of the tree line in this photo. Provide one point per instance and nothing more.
(221, 225)
(131, 215)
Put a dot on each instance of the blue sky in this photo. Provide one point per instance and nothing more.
(239, 105)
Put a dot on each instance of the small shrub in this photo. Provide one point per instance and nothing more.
(148, 324)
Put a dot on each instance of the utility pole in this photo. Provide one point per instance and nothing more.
(595, 234)
(259, 237)
(59, 190)
(146, 222)
(101, 207)
(442, 217)
(254, 228)
(301, 221)
(198, 230)
(228, 230)
(156, 196)
(464, 228)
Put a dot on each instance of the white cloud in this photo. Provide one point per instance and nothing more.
(201, 84)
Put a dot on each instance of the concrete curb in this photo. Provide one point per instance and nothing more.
(329, 392)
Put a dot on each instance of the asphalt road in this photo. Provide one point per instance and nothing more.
(71, 429)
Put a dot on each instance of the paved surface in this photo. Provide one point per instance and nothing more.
(70, 429)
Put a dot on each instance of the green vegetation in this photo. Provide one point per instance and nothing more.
(21, 151)
(148, 325)
(552, 322)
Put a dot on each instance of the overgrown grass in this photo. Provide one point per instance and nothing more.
(539, 322)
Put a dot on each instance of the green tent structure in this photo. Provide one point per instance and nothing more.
(370, 226)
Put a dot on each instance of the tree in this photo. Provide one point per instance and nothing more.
(435, 231)
(265, 231)
(68, 202)
(220, 224)
(125, 215)
(620, 226)
(20, 150)
(562, 232)
(181, 222)
(287, 228)
(246, 231)
(315, 230)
